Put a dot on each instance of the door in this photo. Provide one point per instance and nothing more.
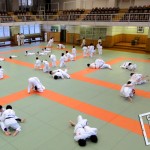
(63, 35)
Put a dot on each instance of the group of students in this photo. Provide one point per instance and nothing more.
(91, 49)
(20, 39)
(128, 89)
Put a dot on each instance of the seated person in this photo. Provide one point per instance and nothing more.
(128, 91)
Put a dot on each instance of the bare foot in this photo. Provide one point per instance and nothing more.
(71, 123)
(23, 120)
(15, 133)
(7, 133)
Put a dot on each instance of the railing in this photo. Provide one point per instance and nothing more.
(128, 17)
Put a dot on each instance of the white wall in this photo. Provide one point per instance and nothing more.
(142, 2)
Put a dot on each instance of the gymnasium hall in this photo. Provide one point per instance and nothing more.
(123, 28)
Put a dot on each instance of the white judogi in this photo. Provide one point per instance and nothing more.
(29, 53)
(99, 47)
(99, 40)
(137, 79)
(37, 64)
(2, 125)
(69, 56)
(84, 51)
(94, 66)
(59, 74)
(126, 91)
(18, 39)
(34, 81)
(53, 60)
(50, 43)
(126, 65)
(22, 37)
(74, 52)
(101, 64)
(8, 117)
(83, 43)
(91, 50)
(63, 73)
(1, 73)
(2, 59)
(62, 61)
(82, 131)
(46, 67)
(60, 46)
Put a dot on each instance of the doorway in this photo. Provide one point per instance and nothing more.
(63, 35)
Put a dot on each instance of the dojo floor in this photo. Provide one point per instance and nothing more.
(94, 94)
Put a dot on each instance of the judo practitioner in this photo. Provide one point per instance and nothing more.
(127, 91)
(8, 117)
(99, 47)
(128, 65)
(1, 73)
(84, 48)
(46, 67)
(60, 74)
(29, 53)
(99, 64)
(91, 50)
(2, 59)
(74, 52)
(35, 84)
(12, 56)
(3, 126)
(62, 61)
(100, 40)
(138, 78)
(69, 56)
(83, 42)
(53, 60)
(37, 64)
(60, 46)
(50, 42)
(22, 37)
(18, 39)
(83, 132)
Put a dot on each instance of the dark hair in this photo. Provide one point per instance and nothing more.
(55, 77)
(8, 107)
(1, 106)
(129, 64)
(10, 57)
(62, 54)
(129, 82)
(50, 72)
(0, 66)
(88, 65)
(66, 51)
(37, 58)
(94, 138)
(73, 46)
(131, 74)
(35, 88)
(82, 142)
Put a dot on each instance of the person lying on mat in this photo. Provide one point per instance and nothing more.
(83, 132)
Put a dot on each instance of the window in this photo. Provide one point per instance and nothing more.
(30, 29)
(25, 2)
(4, 31)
